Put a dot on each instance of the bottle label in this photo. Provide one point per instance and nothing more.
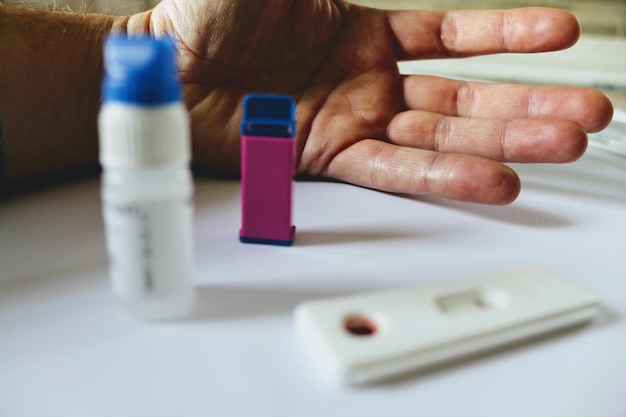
(149, 245)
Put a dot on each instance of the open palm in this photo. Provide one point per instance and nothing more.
(359, 120)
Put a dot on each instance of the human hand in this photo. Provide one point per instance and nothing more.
(359, 120)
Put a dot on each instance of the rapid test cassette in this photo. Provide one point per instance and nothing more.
(366, 338)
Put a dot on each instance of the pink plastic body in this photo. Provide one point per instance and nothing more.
(267, 169)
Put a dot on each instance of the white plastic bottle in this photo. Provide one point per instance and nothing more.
(146, 187)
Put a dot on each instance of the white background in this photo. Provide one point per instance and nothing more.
(66, 350)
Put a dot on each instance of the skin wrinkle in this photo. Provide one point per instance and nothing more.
(213, 101)
(503, 137)
(301, 133)
(464, 100)
(175, 10)
(331, 147)
(442, 130)
(358, 112)
(308, 86)
(503, 31)
(358, 107)
(318, 164)
(366, 113)
(401, 127)
(531, 106)
(380, 165)
(320, 161)
(448, 33)
(397, 47)
(430, 170)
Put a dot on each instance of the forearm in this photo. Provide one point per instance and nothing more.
(50, 74)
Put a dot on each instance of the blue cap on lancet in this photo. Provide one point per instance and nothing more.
(269, 115)
(140, 71)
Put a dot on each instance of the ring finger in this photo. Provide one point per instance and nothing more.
(506, 140)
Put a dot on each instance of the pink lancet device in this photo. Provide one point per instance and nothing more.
(267, 169)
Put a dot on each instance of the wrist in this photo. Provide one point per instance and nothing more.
(50, 75)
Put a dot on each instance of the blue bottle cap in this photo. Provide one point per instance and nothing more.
(140, 70)
(269, 115)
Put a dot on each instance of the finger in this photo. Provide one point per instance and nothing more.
(422, 34)
(515, 140)
(387, 167)
(588, 107)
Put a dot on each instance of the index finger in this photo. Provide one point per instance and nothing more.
(459, 33)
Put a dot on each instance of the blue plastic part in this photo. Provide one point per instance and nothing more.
(269, 115)
(244, 239)
(140, 70)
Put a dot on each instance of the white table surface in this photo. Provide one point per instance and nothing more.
(66, 350)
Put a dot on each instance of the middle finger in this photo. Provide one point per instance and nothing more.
(589, 108)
